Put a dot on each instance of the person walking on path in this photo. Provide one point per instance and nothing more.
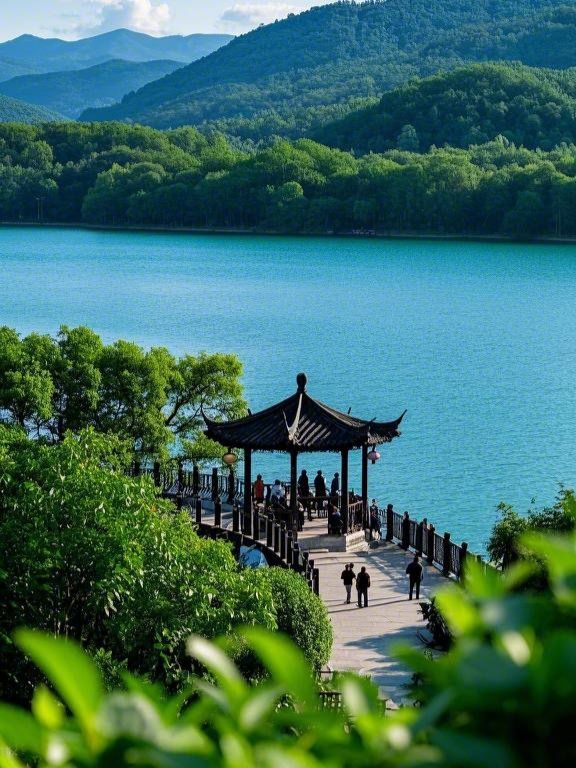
(415, 573)
(362, 586)
(348, 577)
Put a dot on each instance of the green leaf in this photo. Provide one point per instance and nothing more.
(219, 665)
(20, 729)
(47, 709)
(74, 676)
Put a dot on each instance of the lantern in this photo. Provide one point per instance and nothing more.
(230, 458)
(373, 456)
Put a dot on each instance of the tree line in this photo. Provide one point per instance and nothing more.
(115, 174)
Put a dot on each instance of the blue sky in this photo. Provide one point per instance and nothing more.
(71, 19)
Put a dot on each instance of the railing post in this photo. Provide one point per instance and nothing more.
(156, 473)
(195, 480)
(276, 537)
(310, 573)
(430, 545)
(137, 469)
(295, 565)
(199, 511)
(218, 513)
(405, 531)
(316, 581)
(447, 565)
(180, 476)
(283, 544)
(389, 524)
(424, 536)
(215, 493)
(255, 523)
(289, 543)
(231, 486)
(463, 556)
(247, 522)
(235, 518)
(270, 531)
(419, 537)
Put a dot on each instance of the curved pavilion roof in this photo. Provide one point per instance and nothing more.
(303, 424)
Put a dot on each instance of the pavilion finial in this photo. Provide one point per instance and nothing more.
(301, 380)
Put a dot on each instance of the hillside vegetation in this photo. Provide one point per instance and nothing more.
(325, 56)
(114, 174)
(71, 92)
(471, 105)
(15, 111)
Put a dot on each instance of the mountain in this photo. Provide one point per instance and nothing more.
(14, 111)
(55, 55)
(535, 108)
(10, 69)
(70, 93)
(316, 58)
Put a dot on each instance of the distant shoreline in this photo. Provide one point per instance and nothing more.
(353, 234)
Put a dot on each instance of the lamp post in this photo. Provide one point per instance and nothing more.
(230, 458)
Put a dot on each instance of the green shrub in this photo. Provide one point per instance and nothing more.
(302, 615)
(504, 696)
(94, 555)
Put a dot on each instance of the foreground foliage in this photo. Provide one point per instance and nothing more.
(504, 696)
(112, 174)
(90, 554)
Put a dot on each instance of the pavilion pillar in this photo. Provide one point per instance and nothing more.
(294, 492)
(247, 483)
(365, 482)
(344, 490)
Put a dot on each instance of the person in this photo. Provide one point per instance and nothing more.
(374, 519)
(319, 490)
(258, 490)
(348, 577)
(335, 485)
(415, 573)
(304, 492)
(362, 586)
(277, 492)
(335, 521)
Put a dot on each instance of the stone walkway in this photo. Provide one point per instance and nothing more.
(363, 638)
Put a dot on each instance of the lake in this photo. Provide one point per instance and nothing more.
(476, 340)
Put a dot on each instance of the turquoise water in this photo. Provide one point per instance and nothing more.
(476, 340)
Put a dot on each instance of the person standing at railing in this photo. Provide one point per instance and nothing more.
(277, 492)
(258, 490)
(374, 519)
(319, 490)
(304, 492)
(415, 573)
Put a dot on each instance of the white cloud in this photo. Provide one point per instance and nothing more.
(249, 15)
(140, 15)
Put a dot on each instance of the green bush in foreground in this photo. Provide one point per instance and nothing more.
(502, 697)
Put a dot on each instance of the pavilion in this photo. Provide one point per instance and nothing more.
(301, 424)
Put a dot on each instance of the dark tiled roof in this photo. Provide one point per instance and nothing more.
(300, 422)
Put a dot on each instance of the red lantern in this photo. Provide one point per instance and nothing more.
(373, 456)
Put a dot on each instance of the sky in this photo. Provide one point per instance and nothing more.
(72, 19)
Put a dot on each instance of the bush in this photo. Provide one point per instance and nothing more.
(504, 695)
(94, 555)
(302, 615)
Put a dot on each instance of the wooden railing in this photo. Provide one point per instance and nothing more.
(423, 538)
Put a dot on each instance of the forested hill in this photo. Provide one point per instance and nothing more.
(326, 36)
(71, 92)
(15, 111)
(471, 105)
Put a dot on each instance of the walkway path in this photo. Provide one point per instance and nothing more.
(363, 638)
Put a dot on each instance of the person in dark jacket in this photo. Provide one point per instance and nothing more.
(320, 489)
(335, 485)
(415, 573)
(304, 492)
(362, 586)
(348, 577)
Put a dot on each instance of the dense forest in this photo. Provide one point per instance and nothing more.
(114, 174)
(334, 53)
(14, 110)
(471, 105)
